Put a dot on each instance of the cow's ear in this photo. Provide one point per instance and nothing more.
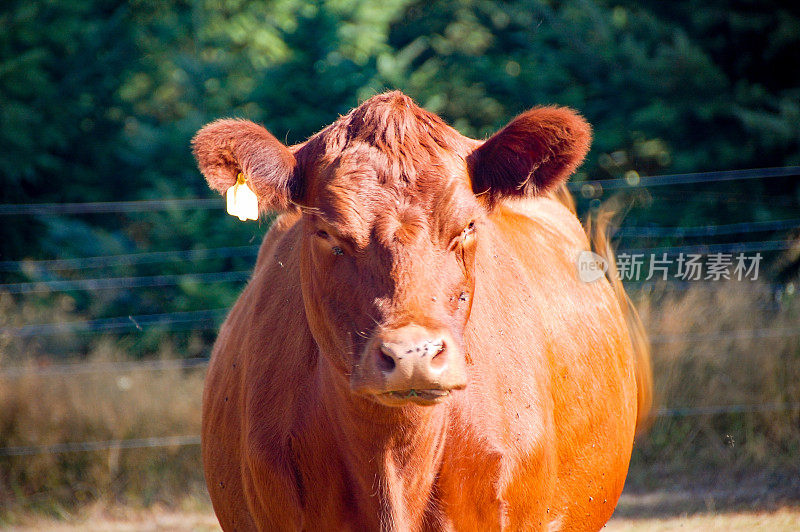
(533, 154)
(226, 147)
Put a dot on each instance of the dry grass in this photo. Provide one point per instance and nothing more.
(201, 519)
(698, 361)
(783, 520)
(42, 409)
(99, 518)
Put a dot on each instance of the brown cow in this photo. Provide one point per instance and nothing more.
(415, 350)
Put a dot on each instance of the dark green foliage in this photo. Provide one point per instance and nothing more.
(99, 99)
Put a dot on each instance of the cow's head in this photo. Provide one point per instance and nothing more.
(394, 203)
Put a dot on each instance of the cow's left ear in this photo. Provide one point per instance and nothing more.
(227, 147)
(533, 154)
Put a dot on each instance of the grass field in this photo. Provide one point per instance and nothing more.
(674, 512)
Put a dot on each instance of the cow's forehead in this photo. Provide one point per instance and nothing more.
(390, 160)
(362, 206)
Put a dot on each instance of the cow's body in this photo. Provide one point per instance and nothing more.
(540, 437)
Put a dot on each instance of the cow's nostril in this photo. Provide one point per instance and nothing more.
(438, 358)
(434, 348)
(386, 361)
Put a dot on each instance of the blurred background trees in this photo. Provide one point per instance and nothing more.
(99, 100)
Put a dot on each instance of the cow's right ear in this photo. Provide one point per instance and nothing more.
(226, 147)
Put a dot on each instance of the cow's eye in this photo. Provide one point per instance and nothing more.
(469, 230)
(324, 235)
(465, 237)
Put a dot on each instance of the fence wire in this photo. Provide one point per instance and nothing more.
(85, 446)
(108, 283)
(686, 179)
(116, 283)
(99, 207)
(216, 203)
(76, 368)
(118, 323)
(174, 441)
(129, 259)
(708, 230)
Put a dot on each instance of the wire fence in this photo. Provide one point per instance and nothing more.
(196, 362)
(107, 283)
(186, 440)
(655, 197)
(130, 259)
(742, 334)
(215, 203)
(709, 249)
(111, 283)
(85, 446)
(690, 411)
(686, 179)
(194, 318)
(210, 318)
(77, 368)
(708, 230)
(100, 207)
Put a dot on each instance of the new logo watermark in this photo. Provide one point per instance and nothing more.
(591, 266)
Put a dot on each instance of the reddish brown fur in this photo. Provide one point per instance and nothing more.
(390, 237)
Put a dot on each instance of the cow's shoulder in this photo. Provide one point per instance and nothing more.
(266, 340)
(542, 219)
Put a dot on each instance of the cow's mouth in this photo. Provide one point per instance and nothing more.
(421, 397)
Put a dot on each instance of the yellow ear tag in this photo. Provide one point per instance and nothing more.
(241, 201)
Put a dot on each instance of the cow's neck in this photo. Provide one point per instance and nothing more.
(392, 454)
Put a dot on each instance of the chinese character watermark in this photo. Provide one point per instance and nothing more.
(682, 267)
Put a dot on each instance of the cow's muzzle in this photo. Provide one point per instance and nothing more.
(410, 364)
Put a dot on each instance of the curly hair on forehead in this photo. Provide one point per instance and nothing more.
(403, 135)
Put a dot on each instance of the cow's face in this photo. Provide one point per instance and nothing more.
(395, 204)
(389, 272)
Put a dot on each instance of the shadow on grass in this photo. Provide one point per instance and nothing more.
(679, 499)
